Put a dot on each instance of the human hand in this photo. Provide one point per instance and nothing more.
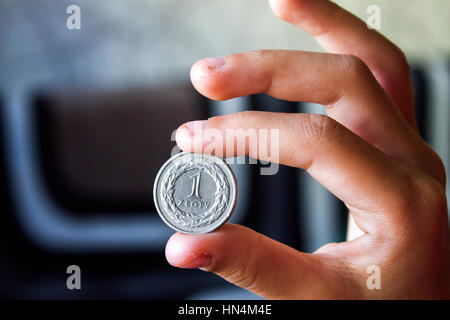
(366, 151)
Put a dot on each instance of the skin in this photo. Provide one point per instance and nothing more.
(366, 151)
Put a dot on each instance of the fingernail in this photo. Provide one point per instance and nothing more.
(202, 261)
(215, 63)
(196, 127)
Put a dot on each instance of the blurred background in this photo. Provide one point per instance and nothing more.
(87, 118)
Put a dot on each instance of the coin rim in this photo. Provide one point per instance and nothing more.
(233, 195)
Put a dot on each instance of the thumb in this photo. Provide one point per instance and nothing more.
(252, 261)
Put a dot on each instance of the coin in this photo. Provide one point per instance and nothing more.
(195, 193)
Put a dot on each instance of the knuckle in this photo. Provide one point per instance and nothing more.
(424, 206)
(401, 61)
(431, 200)
(236, 58)
(429, 224)
(261, 53)
(435, 165)
(318, 128)
(440, 174)
(249, 277)
(352, 66)
(248, 274)
(428, 160)
(244, 119)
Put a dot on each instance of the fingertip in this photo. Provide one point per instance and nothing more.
(310, 15)
(195, 250)
(278, 9)
(286, 9)
(184, 251)
(209, 77)
(198, 73)
(174, 251)
(183, 138)
(190, 251)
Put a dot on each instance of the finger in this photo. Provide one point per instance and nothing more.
(253, 261)
(374, 186)
(338, 31)
(342, 83)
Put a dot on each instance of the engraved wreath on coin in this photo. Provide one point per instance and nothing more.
(221, 196)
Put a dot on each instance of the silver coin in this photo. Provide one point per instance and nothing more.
(195, 193)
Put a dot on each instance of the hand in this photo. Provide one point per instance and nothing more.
(366, 151)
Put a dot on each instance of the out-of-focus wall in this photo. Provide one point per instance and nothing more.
(419, 27)
(148, 41)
